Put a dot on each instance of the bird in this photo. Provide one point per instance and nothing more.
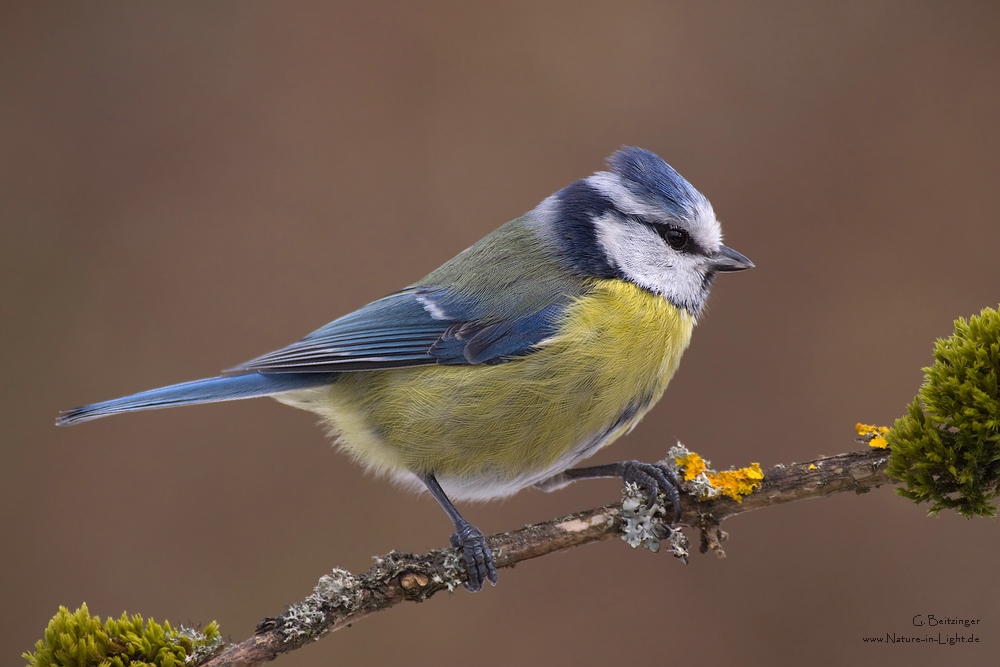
(514, 361)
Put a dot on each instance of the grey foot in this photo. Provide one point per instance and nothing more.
(477, 556)
(654, 478)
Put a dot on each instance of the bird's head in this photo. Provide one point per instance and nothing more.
(641, 222)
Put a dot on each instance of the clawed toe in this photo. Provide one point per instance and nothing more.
(477, 556)
(468, 539)
(654, 478)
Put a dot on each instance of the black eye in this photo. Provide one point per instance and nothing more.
(676, 238)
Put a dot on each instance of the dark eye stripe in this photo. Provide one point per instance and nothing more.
(677, 238)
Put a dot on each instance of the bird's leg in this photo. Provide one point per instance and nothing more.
(651, 477)
(468, 539)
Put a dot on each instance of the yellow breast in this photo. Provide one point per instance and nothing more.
(613, 354)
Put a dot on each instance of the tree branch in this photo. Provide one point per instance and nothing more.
(342, 598)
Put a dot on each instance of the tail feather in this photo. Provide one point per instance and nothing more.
(209, 390)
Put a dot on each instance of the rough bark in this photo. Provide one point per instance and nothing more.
(342, 598)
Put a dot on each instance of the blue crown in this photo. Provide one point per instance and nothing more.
(646, 175)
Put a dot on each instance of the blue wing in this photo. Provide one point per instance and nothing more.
(209, 390)
(415, 327)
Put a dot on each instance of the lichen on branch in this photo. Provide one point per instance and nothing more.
(946, 451)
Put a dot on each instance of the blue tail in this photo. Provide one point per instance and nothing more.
(210, 390)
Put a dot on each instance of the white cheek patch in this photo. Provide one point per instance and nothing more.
(639, 253)
(636, 251)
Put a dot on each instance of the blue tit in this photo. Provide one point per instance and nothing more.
(515, 360)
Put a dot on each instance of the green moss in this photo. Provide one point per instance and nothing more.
(77, 639)
(946, 450)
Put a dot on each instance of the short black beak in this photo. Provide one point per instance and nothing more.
(727, 259)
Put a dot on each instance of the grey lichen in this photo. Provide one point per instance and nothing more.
(679, 546)
(453, 571)
(642, 525)
(338, 590)
(205, 644)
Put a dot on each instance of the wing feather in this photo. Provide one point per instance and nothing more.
(415, 327)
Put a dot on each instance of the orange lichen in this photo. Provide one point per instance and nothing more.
(693, 465)
(738, 483)
(708, 483)
(813, 466)
(874, 434)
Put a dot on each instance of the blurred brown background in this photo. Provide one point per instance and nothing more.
(185, 186)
